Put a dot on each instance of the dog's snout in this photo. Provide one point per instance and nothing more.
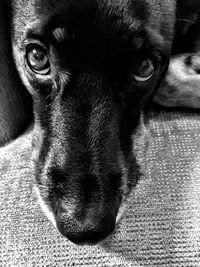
(86, 167)
(87, 208)
(89, 229)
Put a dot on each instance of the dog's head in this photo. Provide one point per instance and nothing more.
(90, 66)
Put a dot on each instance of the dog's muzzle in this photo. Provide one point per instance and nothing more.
(87, 214)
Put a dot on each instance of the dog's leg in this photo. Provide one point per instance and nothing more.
(181, 87)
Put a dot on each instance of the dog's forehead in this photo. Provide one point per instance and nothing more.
(121, 8)
(117, 13)
(119, 20)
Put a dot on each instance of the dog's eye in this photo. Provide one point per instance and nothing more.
(144, 70)
(38, 60)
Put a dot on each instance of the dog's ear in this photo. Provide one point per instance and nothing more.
(187, 15)
(15, 102)
(187, 26)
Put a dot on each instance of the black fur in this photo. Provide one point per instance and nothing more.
(88, 110)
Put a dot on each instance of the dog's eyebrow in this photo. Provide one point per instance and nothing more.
(34, 33)
(148, 39)
(60, 34)
(155, 39)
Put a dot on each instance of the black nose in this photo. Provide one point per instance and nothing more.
(88, 230)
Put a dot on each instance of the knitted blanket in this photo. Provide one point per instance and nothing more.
(161, 226)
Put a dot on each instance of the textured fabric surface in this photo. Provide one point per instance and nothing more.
(161, 226)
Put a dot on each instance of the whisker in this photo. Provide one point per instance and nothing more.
(186, 20)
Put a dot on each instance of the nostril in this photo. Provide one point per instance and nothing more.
(88, 231)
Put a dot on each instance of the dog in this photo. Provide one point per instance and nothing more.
(91, 67)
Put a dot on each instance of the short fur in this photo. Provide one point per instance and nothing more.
(88, 110)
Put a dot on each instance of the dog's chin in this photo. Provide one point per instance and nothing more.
(93, 241)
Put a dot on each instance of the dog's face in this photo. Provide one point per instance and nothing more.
(90, 66)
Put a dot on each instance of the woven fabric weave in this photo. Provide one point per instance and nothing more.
(161, 226)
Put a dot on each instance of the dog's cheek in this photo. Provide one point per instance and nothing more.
(19, 62)
(42, 185)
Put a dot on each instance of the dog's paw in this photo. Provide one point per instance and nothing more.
(181, 87)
